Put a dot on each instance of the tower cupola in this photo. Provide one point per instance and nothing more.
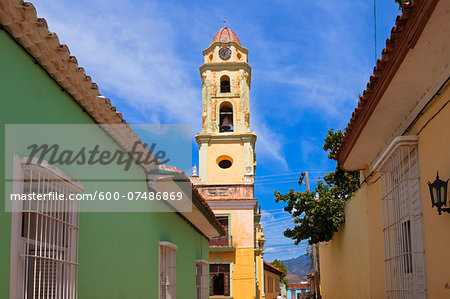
(226, 35)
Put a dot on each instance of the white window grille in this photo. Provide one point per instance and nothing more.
(201, 280)
(402, 220)
(167, 270)
(44, 235)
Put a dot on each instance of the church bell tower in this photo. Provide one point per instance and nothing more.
(226, 144)
(227, 169)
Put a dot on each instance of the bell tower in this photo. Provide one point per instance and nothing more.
(227, 169)
(226, 144)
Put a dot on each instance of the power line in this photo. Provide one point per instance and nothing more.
(279, 245)
(270, 210)
(277, 219)
(276, 182)
(281, 220)
(277, 226)
(282, 182)
(291, 173)
(375, 28)
(263, 213)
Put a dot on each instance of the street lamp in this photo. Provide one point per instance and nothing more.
(438, 193)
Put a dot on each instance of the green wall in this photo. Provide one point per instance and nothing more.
(118, 252)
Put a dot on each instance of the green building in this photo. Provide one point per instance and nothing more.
(59, 252)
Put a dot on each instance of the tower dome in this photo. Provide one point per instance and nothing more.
(226, 35)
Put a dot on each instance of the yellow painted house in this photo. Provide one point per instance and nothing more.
(394, 243)
(227, 169)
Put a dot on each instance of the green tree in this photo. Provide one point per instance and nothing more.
(282, 268)
(401, 2)
(319, 213)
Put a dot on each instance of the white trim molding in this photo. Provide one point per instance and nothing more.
(233, 204)
(168, 244)
(392, 148)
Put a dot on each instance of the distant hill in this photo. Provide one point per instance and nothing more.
(298, 266)
(292, 278)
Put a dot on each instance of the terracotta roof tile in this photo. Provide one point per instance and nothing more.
(20, 20)
(272, 268)
(226, 35)
(299, 286)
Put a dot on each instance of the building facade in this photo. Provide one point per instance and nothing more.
(299, 290)
(272, 283)
(67, 253)
(398, 138)
(227, 168)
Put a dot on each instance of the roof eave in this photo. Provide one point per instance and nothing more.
(409, 26)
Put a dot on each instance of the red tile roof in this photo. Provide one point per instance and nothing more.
(21, 22)
(299, 286)
(408, 27)
(302, 286)
(226, 35)
(272, 268)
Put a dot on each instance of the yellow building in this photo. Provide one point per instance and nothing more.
(227, 168)
(394, 244)
(272, 276)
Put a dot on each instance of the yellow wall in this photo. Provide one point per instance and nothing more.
(243, 275)
(216, 59)
(232, 175)
(344, 261)
(352, 263)
(375, 237)
(434, 155)
(275, 281)
(243, 258)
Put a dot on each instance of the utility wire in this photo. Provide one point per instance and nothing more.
(282, 182)
(281, 220)
(277, 179)
(291, 173)
(375, 28)
(279, 245)
(264, 214)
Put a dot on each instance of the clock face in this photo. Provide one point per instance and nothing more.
(225, 53)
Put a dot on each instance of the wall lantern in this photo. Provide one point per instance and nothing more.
(438, 192)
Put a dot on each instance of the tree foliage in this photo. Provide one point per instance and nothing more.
(282, 268)
(319, 213)
(401, 2)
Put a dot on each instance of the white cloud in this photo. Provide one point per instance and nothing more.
(130, 51)
(269, 144)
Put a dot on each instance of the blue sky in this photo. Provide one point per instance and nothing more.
(310, 60)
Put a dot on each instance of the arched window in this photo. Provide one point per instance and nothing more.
(225, 84)
(226, 117)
